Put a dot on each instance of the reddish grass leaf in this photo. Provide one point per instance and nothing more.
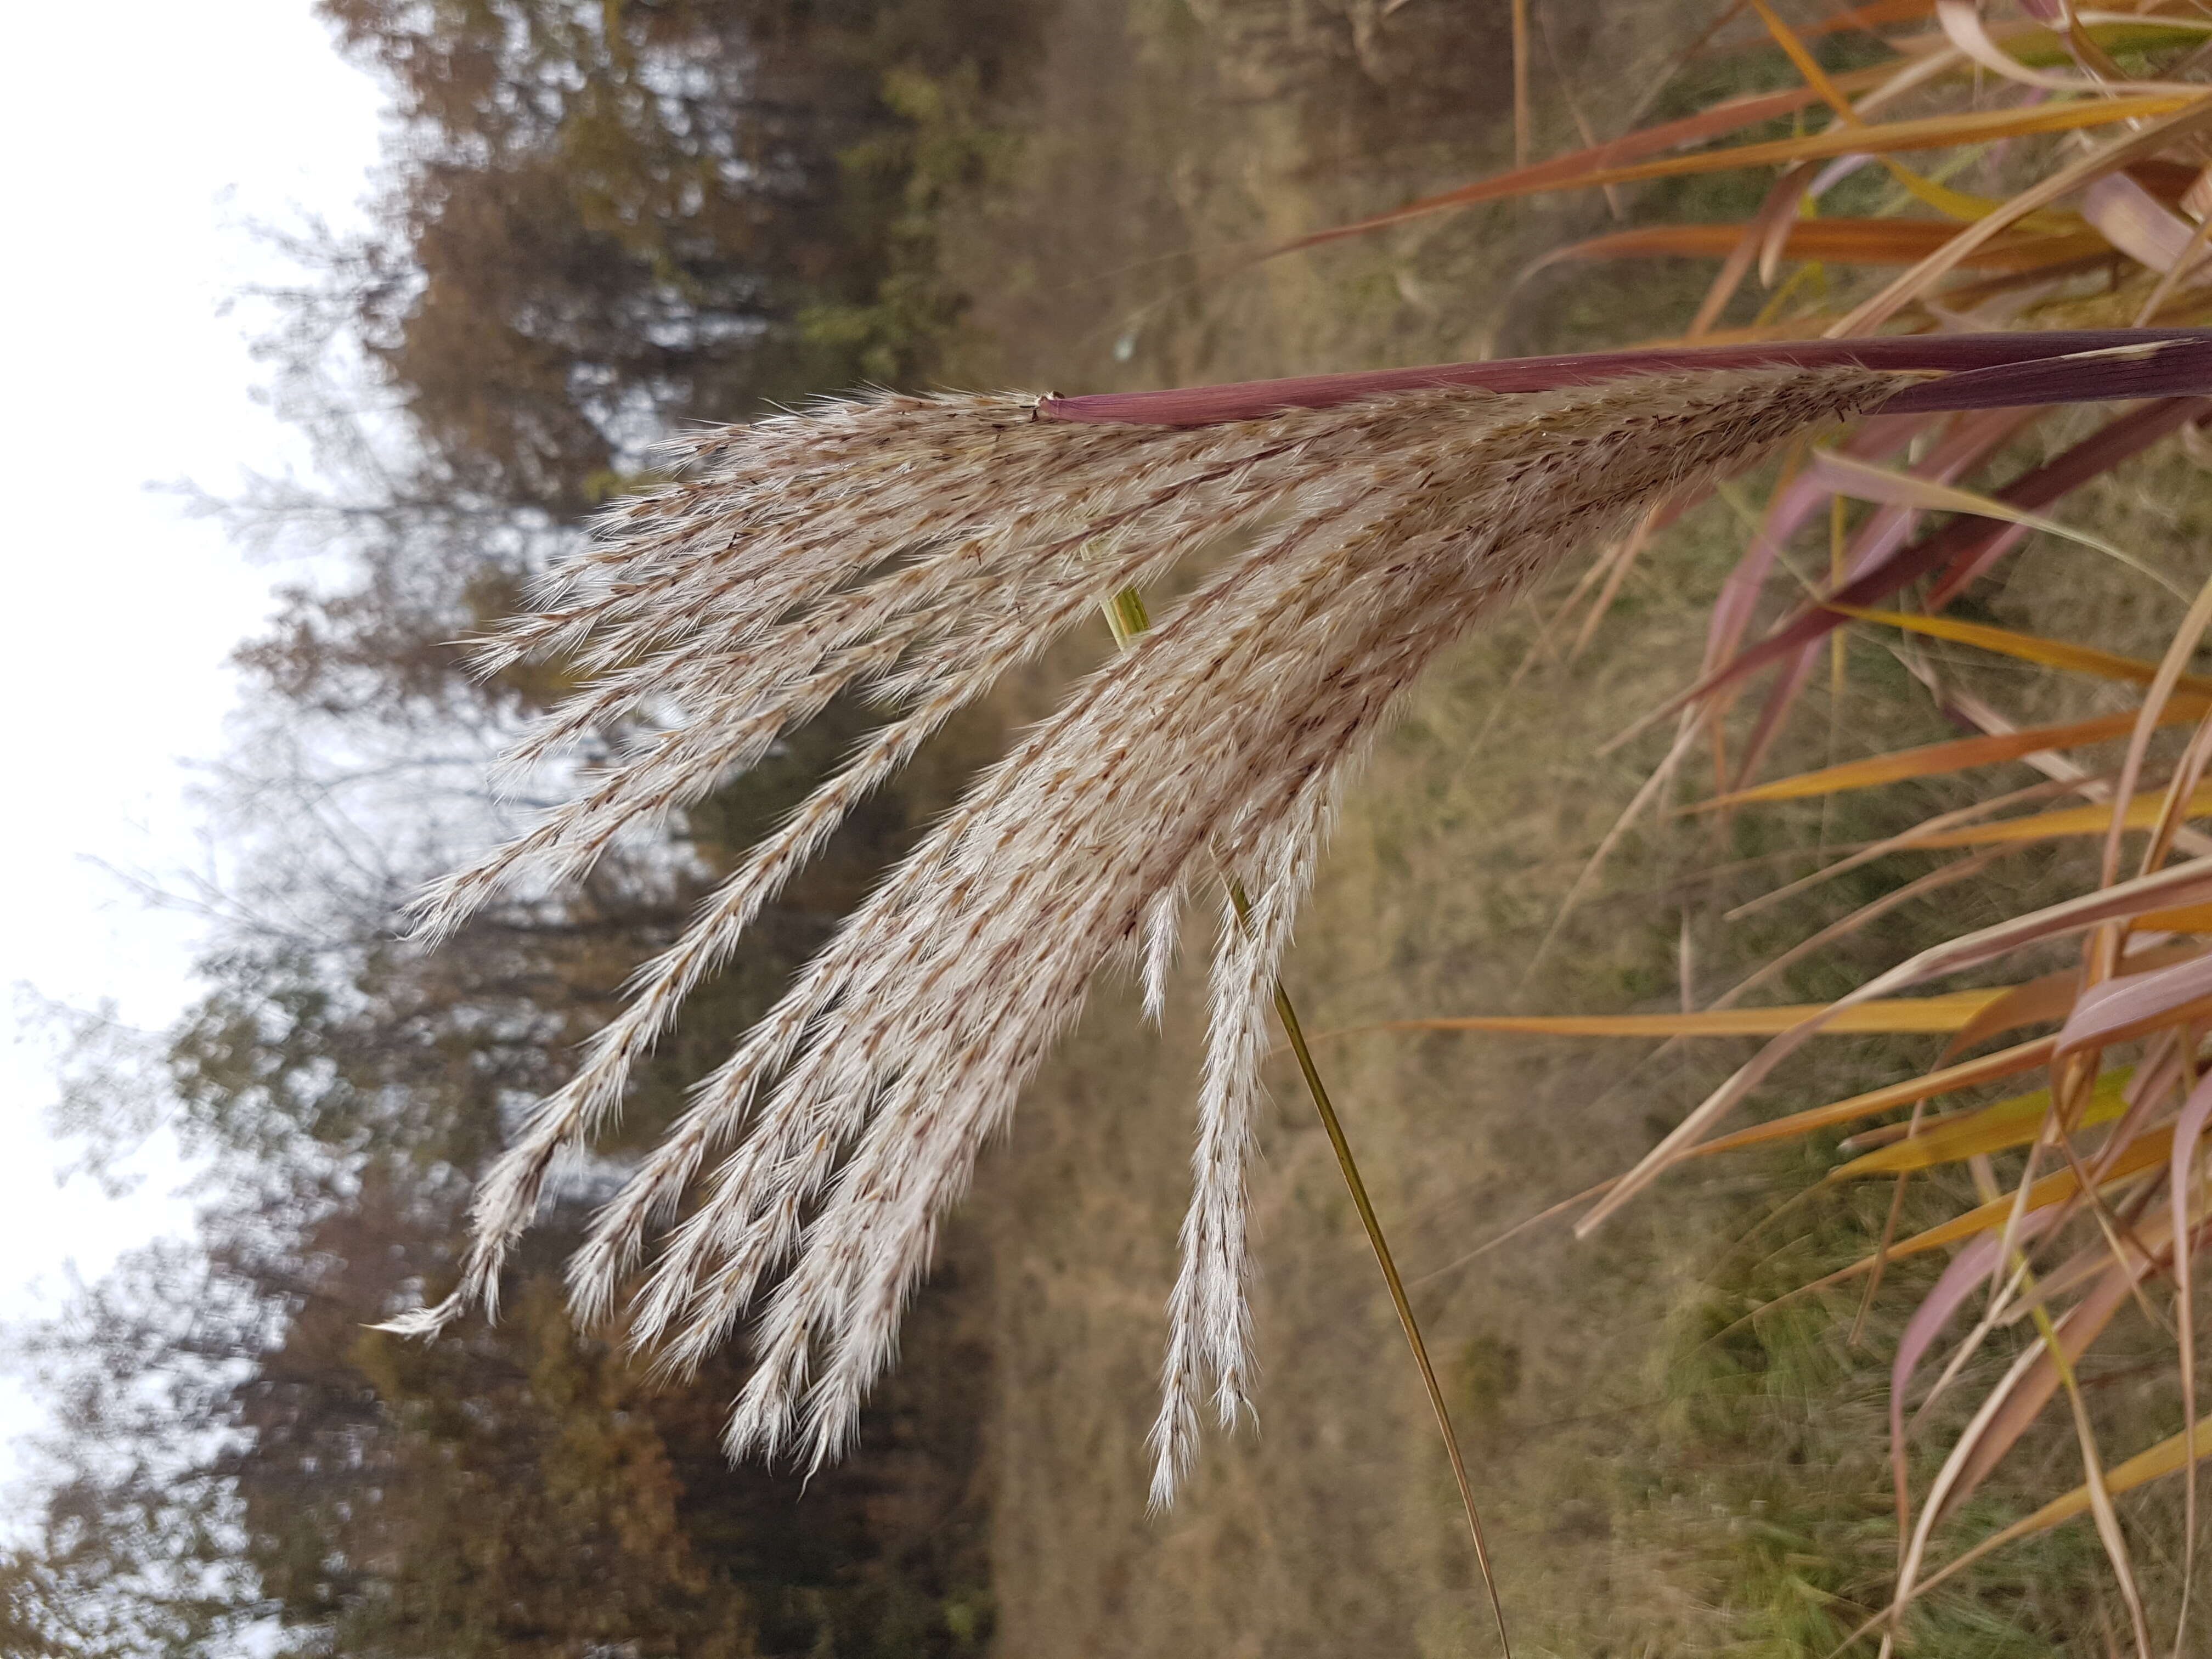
(1961, 542)
(2122, 1008)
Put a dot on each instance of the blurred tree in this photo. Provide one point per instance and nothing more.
(600, 221)
(613, 213)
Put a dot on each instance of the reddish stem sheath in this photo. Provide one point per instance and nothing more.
(1977, 371)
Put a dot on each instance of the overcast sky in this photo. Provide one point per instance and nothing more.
(145, 139)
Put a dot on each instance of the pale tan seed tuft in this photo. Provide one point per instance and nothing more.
(912, 550)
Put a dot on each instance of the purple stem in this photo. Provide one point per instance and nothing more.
(1980, 370)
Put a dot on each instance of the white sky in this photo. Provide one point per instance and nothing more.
(144, 138)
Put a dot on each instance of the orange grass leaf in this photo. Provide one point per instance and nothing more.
(2181, 883)
(2027, 647)
(1592, 168)
(1938, 759)
(2179, 120)
(1946, 1013)
(2007, 1062)
(2053, 997)
(1849, 241)
(2183, 918)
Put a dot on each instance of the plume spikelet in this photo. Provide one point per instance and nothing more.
(912, 550)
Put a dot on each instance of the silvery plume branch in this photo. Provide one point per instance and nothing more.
(913, 550)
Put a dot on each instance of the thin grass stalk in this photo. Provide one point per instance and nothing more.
(1126, 618)
(1523, 113)
(1398, 1300)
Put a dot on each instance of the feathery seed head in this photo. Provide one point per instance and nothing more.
(914, 550)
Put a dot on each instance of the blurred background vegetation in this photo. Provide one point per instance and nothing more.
(601, 222)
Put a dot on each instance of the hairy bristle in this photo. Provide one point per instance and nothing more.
(914, 550)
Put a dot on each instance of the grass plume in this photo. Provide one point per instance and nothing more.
(914, 550)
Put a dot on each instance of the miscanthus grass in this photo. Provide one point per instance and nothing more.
(912, 550)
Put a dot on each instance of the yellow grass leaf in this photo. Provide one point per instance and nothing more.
(2142, 812)
(2042, 48)
(1880, 484)
(2008, 1062)
(2142, 1154)
(1994, 1128)
(2027, 648)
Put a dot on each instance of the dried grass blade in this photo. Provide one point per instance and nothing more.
(2137, 222)
(1589, 169)
(2192, 879)
(1844, 926)
(2121, 1009)
(2143, 811)
(1836, 241)
(1963, 543)
(1933, 760)
(1965, 1274)
(2188, 1131)
(2170, 121)
(1971, 814)
(2037, 648)
(1568, 171)
(1807, 65)
(2008, 1062)
(1946, 1013)
(1994, 1128)
(2024, 1402)
(1922, 495)
(2188, 771)
(2183, 111)
(2167, 1457)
